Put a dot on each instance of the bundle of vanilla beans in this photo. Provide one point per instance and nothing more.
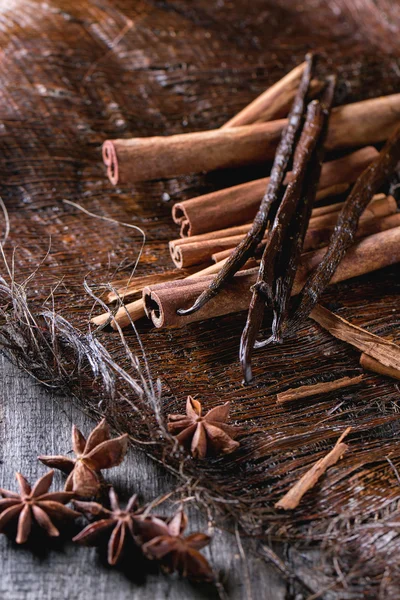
(255, 245)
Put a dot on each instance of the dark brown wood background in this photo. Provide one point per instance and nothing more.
(77, 72)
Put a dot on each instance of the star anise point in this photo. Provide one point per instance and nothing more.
(93, 454)
(34, 504)
(177, 552)
(203, 435)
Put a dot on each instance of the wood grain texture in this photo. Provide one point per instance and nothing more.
(77, 72)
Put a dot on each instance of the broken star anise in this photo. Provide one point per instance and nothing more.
(119, 523)
(34, 504)
(178, 553)
(96, 453)
(202, 435)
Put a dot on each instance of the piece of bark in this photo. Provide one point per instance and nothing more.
(239, 204)
(142, 159)
(385, 352)
(371, 253)
(199, 252)
(317, 389)
(293, 497)
(371, 364)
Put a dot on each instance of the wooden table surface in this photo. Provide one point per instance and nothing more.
(35, 421)
(75, 72)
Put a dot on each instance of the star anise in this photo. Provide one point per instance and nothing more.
(119, 523)
(178, 553)
(96, 453)
(202, 435)
(34, 504)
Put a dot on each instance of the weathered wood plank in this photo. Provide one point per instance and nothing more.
(34, 421)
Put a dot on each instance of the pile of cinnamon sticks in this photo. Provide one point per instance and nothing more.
(259, 243)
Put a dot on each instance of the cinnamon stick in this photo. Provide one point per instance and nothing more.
(371, 364)
(199, 221)
(374, 176)
(319, 235)
(385, 352)
(380, 206)
(134, 311)
(317, 389)
(134, 285)
(293, 497)
(332, 190)
(124, 316)
(274, 103)
(162, 301)
(239, 204)
(140, 159)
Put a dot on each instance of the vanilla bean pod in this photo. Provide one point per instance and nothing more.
(292, 246)
(263, 290)
(342, 237)
(272, 196)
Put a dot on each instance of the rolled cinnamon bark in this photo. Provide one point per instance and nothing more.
(140, 159)
(380, 206)
(162, 301)
(371, 364)
(315, 238)
(239, 204)
(316, 389)
(186, 252)
(333, 190)
(274, 103)
(133, 311)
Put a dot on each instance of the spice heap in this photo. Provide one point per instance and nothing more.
(292, 246)
(157, 538)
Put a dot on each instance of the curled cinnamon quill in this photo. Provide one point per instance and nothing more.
(293, 497)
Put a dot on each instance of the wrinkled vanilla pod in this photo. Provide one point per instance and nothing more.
(342, 237)
(272, 196)
(291, 246)
(263, 291)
